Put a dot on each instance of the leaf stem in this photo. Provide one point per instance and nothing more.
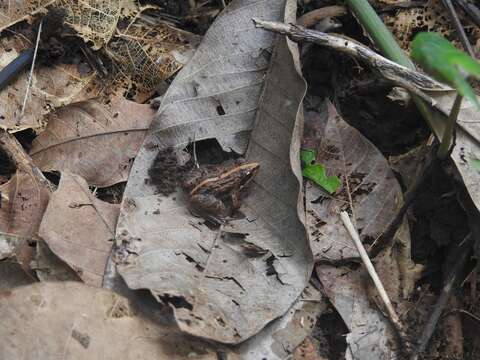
(380, 34)
(447, 139)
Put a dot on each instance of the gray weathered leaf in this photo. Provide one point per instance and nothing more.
(68, 320)
(372, 194)
(369, 190)
(467, 140)
(79, 228)
(371, 336)
(279, 339)
(94, 140)
(226, 294)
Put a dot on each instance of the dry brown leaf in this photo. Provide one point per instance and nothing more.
(93, 20)
(52, 87)
(13, 11)
(94, 140)
(23, 203)
(146, 55)
(406, 23)
(307, 350)
(226, 295)
(80, 228)
(69, 320)
(371, 193)
(369, 189)
(48, 267)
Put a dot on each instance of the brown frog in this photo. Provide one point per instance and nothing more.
(215, 190)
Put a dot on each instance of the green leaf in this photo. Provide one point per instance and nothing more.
(318, 175)
(308, 156)
(476, 164)
(444, 61)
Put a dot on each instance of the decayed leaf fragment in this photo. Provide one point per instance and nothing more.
(221, 291)
(23, 203)
(73, 321)
(52, 87)
(94, 140)
(80, 228)
(13, 11)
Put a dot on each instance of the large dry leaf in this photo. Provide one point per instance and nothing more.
(69, 320)
(227, 294)
(23, 203)
(94, 140)
(79, 228)
(369, 189)
(216, 94)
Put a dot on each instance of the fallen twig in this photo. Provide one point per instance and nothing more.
(21, 159)
(394, 319)
(461, 256)
(458, 27)
(397, 74)
(30, 76)
(471, 10)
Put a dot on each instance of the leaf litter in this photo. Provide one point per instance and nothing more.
(224, 280)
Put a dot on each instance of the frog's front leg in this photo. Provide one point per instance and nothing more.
(209, 204)
(236, 200)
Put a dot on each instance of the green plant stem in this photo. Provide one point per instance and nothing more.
(447, 138)
(379, 33)
(384, 39)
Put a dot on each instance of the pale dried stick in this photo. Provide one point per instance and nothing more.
(30, 76)
(395, 320)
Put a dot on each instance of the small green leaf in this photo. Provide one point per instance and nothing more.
(308, 156)
(476, 164)
(444, 61)
(318, 175)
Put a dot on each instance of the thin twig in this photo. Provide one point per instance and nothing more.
(30, 76)
(471, 10)
(22, 160)
(389, 69)
(461, 256)
(394, 319)
(458, 27)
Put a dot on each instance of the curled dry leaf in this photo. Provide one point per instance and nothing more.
(94, 140)
(72, 321)
(369, 189)
(80, 228)
(221, 290)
